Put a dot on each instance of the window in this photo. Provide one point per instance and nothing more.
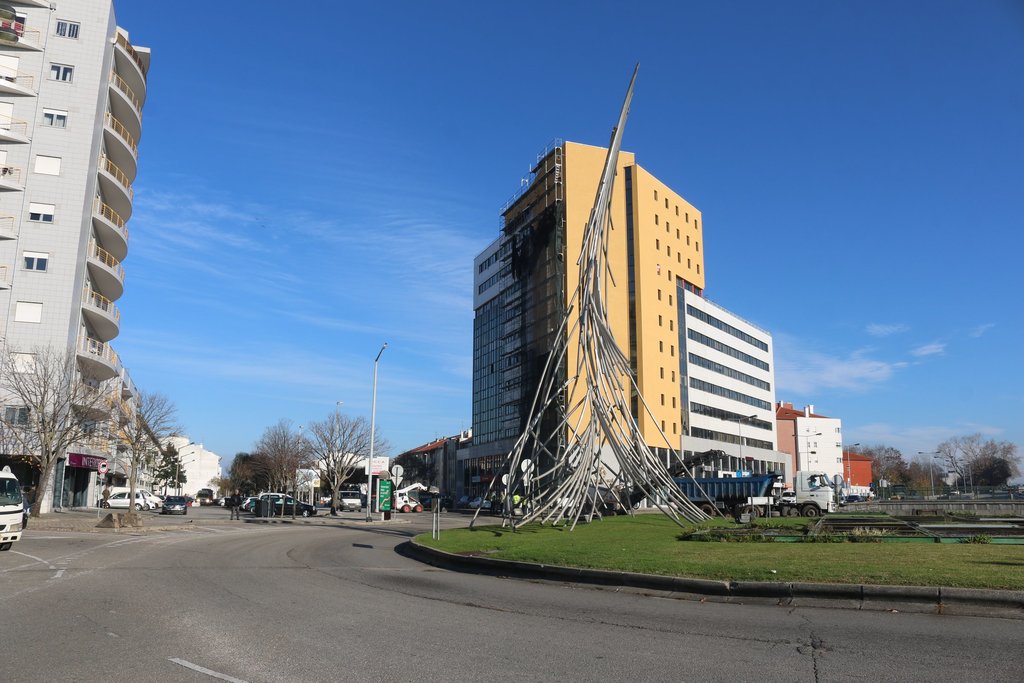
(696, 224)
(36, 260)
(662, 372)
(677, 233)
(659, 295)
(677, 210)
(666, 202)
(687, 216)
(669, 247)
(673, 375)
(671, 325)
(696, 245)
(28, 312)
(687, 240)
(657, 244)
(672, 350)
(47, 165)
(698, 269)
(67, 29)
(655, 195)
(40, 212)
(61, 72)
(689, 263)
(670, 296)
(15, 415)
(663, 399)
(55, 118)
(661, 346)
(659, 321)
(24, 362)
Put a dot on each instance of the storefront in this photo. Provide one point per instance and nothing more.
(75, 480)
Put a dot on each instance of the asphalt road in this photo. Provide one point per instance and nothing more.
(283, 602)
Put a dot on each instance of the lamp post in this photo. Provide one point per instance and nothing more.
(848, 466)
(808, 437)
(931, 468)
(373, 425)
(739, 423)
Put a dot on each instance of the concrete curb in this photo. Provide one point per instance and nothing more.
(920, 599)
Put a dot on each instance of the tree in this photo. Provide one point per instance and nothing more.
(339, 444)
(249, 472)
(286, 452)
(887, 463)
(140, 425)
(168, 472)
(979, 462)
(56, 405)
(418, 467)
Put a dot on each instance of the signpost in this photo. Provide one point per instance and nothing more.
(384, 490)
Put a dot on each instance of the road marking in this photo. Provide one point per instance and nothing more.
(60, 573)
(37, 559)
(204, 670)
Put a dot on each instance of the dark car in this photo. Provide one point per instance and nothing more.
(283, 505)
(175, 505)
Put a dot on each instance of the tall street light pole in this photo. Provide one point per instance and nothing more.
(373, 426)
(931, 468)
(740, 422)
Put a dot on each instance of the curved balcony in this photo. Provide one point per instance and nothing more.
(14, 34)
(16, 83)
(92, 402)
(11, 179)
(115, 187)
(111, 229)
(106, 272)
(128, 64)
(98, 361)
(7, 228)
(120, 146)
(102, 314)
(13, 130)
(125, 104)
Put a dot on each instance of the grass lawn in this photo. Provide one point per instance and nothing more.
(649, 544)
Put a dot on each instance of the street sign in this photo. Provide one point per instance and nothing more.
(384, 488)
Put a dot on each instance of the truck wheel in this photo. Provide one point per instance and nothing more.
(792, 512)
(810, 511)
(5, 546)
(708, 509)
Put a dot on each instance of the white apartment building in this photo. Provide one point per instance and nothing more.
(727, 367)
(811, 441)
(72, 87)
(202, 467)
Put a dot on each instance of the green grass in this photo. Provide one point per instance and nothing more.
(649, 544)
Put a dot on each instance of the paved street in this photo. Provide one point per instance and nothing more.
(332, 600)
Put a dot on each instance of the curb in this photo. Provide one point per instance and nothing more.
(977, 602)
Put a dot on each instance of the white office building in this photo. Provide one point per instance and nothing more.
(72, 87)
(202, 467)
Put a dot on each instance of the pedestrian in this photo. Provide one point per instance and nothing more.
(236, 505)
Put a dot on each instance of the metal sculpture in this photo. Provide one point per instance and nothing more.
(595, 456)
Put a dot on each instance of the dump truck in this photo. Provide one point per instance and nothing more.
(12, 509)
(734, 496)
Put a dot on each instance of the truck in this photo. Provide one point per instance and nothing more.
(812, 494)
(204, 496)
(12, 509)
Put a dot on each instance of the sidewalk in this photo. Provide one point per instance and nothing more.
(88, 521)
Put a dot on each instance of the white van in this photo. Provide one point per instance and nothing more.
(12, 508)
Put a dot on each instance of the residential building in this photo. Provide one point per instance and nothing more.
(72, 87)
(691, 368)
(857, 473)
(812, 441)
(202, 467)
(434, 462)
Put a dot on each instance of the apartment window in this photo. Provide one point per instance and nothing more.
(61, 72)
(679, 257)
(657, 244)
(662, 372)
(689, 263)
(673, 375)
(673, 401)
(55, 118)
(659, 295)
(661, 347)
(656, 219)
(41, 212)
(36, 260)
(28, 312)
(655, 195)
(668, 227)
(672, 350)
(67, 29)
(671, 325)
(677, 210)
(663, 399)
(687, 216)
(24, 363)
(696, 245)
(696, 224)
(698, 269)
(687, 240)
(666, 202)
(47, 165)
(670, 297)
(669, 247)
(16, 415)
(659, 321)
(673, 427)
(662, 425)
(677, 233)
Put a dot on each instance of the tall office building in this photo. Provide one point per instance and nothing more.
(696, 397)
(72, 87)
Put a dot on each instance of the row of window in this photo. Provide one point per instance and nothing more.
(46, 165)
(725, 327)
(711, 365)
(725, 437)
(728, 415)
(728, 393)
(687, 214)
(492, 280)
(726, 349)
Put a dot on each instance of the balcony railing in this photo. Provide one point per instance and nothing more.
(101, 302)
(18, 78)
(107, 259)
(98, 349)
(6, 224)
(10, 174)
(123, 42)
(123, 86)
(118, 174)
(14, 126)
(3, 276)
(120, 130)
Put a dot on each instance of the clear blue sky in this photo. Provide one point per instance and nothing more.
(316, 178)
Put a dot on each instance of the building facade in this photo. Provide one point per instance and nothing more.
(72, 87)
(202, 467)
(696, 384)
(812, 441)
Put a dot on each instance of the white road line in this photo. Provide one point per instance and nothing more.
(204, 670)
(60, 573)
(37, 559)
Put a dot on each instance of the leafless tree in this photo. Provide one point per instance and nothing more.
(141, 425)
(339, 444)
(977, 461)
(52, 405)
(286, 451)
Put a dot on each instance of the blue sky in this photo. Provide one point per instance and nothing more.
(316, 181)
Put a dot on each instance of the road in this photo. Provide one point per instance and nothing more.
(296, 602)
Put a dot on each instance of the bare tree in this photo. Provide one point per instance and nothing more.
(56, 405)
(976, 461)
(287, 451)
(339, 444)
(141, 425)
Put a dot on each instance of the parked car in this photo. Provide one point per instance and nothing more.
(350, 500)
(283, 505)
(175, 505)
(854, 498)
(248, 503)
(480, 502)
(152, 500)
(120, 500)
(462, 502)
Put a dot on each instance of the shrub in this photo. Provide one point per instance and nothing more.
(977, 538)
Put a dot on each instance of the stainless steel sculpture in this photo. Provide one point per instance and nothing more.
(594, 453)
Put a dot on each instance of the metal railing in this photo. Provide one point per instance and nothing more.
(97, 300)
(120, 129)
(102, 350)
(14, 126)
(119, 175)
(107, 259)
(122, 85)
(10, 174)
(18, 78)
(123, 42)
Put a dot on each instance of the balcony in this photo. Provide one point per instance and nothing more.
(5, 281)
(102, 314)
(98, 360)
(13, 130)
(131, 66)
(14, 34)
(31, 3)
(119, 144)
(7, 231)
(92, 402)
(125, 104)
(111, 229)
(16, 83)
(106, 272)
(128, 389)
(10, 179)
(115, 187)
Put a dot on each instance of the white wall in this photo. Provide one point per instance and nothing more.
(200, 465)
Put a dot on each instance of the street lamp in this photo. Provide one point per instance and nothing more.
(848, 469)
(931, 468)
(373, 425)
(808, 437)
(739, 423)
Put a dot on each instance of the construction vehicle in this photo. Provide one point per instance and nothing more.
(406, 499)
(12, 509)
(734, 496)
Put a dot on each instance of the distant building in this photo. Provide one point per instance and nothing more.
(857, 471)
(201, 466)
(813, 442)
(439, 460)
